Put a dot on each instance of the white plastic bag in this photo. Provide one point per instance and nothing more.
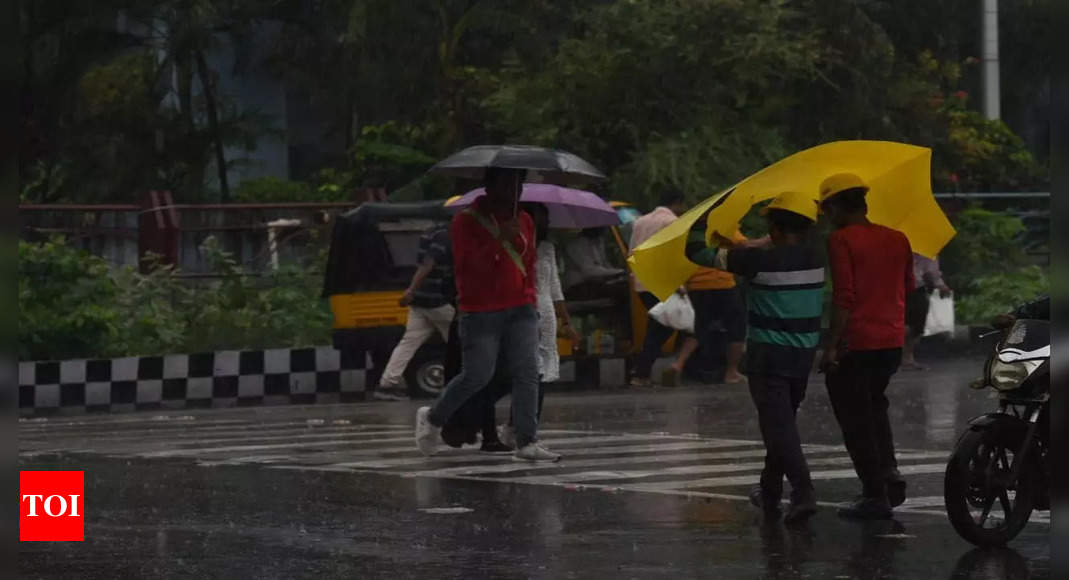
(676, 312)
(940, 315)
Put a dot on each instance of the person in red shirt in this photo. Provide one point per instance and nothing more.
(872, 273)
(494, 266)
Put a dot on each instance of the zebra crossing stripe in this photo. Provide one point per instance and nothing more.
(231, 448)
(742, 480)
(190, 430)
(462, 456)
(567, 464)
(356, 451)
(48, 426)
(177, 447)
(684, 470)
(925, 504)
(170, 441)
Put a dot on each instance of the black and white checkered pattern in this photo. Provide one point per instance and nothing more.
(214, 379)
(298, 376)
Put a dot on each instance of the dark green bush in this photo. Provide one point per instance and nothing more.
(998, 293)
(73, 305)
(67, 302)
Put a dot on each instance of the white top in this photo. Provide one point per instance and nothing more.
(548, 290)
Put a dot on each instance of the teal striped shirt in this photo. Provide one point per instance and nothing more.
(784, 301)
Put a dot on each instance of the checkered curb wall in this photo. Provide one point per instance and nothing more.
(214, 379)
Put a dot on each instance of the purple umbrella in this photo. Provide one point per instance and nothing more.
(568, 208)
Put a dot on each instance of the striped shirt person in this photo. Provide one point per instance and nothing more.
(784, 305)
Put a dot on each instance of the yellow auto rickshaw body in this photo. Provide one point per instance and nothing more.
(372, 259)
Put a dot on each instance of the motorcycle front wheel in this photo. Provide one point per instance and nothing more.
(985, 505)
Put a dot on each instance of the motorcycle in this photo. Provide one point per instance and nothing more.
(999, 472)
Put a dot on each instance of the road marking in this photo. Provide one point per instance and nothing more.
(568, 463)
(372, 451)
(677, 465)
(142, 444)
(926, 504)
(686, 470)
(230, 427)
(467, 455)
(756, 478)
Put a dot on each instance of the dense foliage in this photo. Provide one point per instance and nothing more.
(122, 96)
(1000, 292)
(987, 267)
(74, 305)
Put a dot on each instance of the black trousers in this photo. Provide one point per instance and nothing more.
(858, 397)
(777, 399)
(656, 335)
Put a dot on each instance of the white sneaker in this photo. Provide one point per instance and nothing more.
(535, 452)
(507, 435)
(426, 434)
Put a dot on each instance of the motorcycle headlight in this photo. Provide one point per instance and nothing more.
(1009, 376)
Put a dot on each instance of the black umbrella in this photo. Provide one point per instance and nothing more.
(555, 166)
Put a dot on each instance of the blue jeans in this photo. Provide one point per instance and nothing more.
(512, 332)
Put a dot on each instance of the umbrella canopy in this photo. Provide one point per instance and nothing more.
(554, 165)
(568, 208)
(900, 197)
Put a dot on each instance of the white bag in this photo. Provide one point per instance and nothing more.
(940, 315)
(676, 312)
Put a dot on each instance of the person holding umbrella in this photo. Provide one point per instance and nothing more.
(879, 196)
(872, 273)
(784, 305)
(550, 206)
(494, 267)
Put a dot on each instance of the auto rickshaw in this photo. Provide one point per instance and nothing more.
(373, 255)
(373, 252)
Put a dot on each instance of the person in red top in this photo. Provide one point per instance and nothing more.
(872, 273)
(494, 257)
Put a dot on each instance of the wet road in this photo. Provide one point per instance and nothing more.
(652, 485)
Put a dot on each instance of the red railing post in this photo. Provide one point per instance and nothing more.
(157, 229)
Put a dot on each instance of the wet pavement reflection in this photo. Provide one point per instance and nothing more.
(180, 517)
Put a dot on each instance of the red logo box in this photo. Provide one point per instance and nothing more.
(51, 506)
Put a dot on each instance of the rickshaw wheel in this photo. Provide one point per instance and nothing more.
(426, 376)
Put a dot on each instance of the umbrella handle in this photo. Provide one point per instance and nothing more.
(519, 192)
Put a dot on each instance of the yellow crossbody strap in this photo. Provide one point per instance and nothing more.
(495, 231)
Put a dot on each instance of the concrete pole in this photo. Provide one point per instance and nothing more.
(989, 42)
(273, 228)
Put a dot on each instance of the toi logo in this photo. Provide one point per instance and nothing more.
(51, 506)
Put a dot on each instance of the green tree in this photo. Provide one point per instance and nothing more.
(101, 120)
(60, 42)
(121, 96)
(648, 90)
(985, 241)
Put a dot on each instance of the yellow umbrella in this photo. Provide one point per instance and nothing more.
(900, 197)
